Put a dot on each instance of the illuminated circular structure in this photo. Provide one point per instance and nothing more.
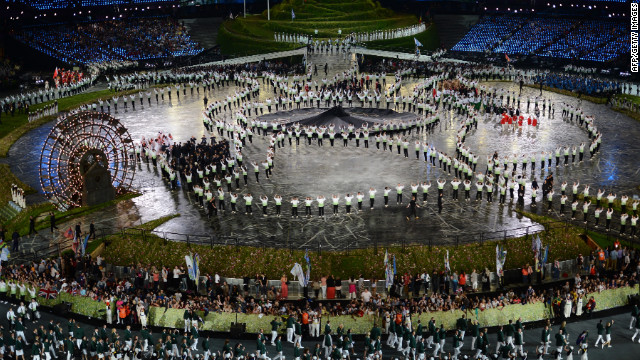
(86, 157)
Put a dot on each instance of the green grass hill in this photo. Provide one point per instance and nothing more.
(254, 34)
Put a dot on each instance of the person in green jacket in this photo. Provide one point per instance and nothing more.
(376, 333)
(194, 332)
(93, 351)
(296, 351)
(317, 351)
(238, 351)
(457, 344)
(637, 328)
(474, 330)
(600, 328)
(275, 324)
(509, 331)
(184, 348)
(19, 329)
(419, 331)
(485, 342)
(400, 336)
(519, 340)
(336, 354)
(480, 343)
(349, 341)
(392, 333)
(186, 316)
(290, 328)
(432, 330)
(70, 326)
(412, 345)
(36, 350)
(11, 344)
(68, 346)
(297, 326)
(161, 351)
(101, 348)
(500, 339)
(327, 344)
(84, 347)
(306, 354)
(436, 343)
(634, 314)
(420, 349)
(561, 341)
(226, 348)
(520, 326)
(545, 339)
(607, 334)
(338, 344)
(367, 343)
(345, 346)
(128, 337)
(461, 326)
(19, 347)
(278, 345)
(443, 336)
(505, 351)
(78, 334)
(206, 348)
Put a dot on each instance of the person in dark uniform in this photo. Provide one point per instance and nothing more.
(412, 208)
(78, 230)
(32, 225)
(92, 231)
(15, 237)
(52, 221)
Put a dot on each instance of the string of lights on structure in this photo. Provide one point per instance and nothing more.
(77, 142)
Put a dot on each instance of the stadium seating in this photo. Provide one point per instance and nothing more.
(63, 4)
(593, 39)
(486, 34)
(91, 42)
(620, 44)
(533, 35)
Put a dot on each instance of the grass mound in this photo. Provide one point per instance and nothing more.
(254, 34)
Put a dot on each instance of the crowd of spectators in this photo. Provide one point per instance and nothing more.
(533, 35)
(421, 292)
(486, 34)
(589, 85)
(63, 4)
(588, 40)
(594, 40)
(113, 40)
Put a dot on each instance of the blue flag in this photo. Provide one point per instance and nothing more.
(293, 15)
(545, 255)
(394, 265)
(306, 258)
(417, 42)
(196, 268)
(84, 244)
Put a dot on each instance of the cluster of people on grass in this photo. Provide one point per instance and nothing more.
(47, 110)
(21, 102)
(18, 196)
